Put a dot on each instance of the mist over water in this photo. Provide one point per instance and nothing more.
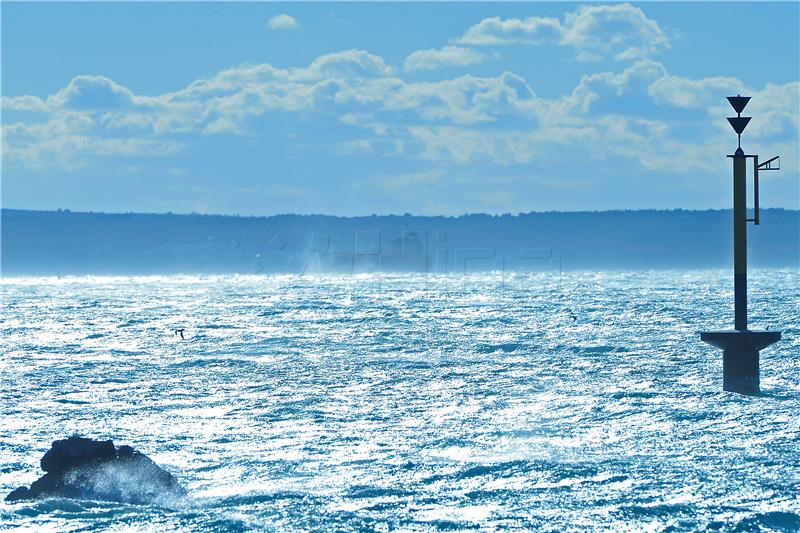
(378, 402)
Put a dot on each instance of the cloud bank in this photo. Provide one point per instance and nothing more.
(354, 104)
(498, 119)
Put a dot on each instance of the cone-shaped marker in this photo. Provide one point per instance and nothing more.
(739, 123)
(738, 103)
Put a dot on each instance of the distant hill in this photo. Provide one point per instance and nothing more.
(63, 242)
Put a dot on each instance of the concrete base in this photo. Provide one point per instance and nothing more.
(740, 372)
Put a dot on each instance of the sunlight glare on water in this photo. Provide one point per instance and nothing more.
(513, 401)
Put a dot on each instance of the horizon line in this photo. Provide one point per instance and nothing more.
(375, 215)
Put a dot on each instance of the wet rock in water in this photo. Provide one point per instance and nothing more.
(87, 469)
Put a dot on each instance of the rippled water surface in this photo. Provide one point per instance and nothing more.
(526, 401)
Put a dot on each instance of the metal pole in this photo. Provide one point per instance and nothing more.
(755, 190)
(740, 240)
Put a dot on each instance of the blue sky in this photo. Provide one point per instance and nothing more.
(362, 108)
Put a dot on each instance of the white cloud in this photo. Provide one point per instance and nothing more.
(532, 30)
(70, 140)
(348, 64)
(693, 94)
(92, 93)
(498, 120)
(602, 85)
(620, 31)
(23, 103)
(282, 22)
(463, 100)
(776, 112)
(448, 56)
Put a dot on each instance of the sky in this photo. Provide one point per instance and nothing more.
(366, 108)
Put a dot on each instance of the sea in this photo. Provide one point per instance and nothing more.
(498, 401)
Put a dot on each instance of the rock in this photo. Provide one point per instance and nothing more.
(87, 469)
(76, 452)
(20, 493)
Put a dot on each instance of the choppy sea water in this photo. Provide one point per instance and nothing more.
(500, 401)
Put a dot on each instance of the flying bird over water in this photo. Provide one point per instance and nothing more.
(179, 332)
